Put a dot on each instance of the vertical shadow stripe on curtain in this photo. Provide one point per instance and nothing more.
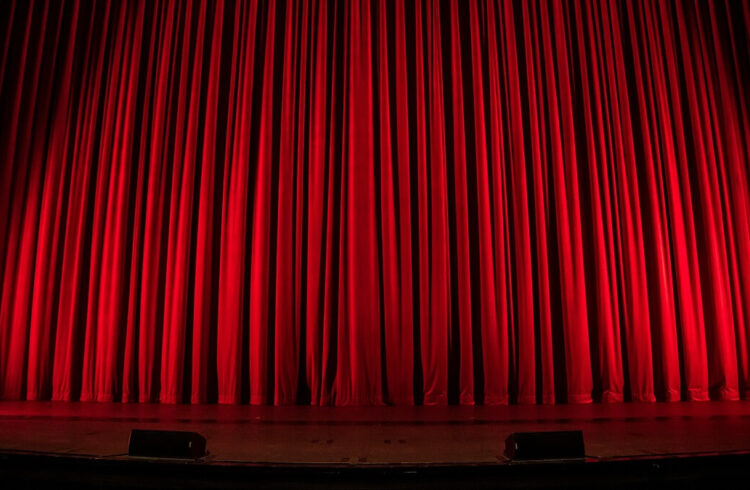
(365, 202)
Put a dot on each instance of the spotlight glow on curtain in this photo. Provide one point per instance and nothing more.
(369, 201)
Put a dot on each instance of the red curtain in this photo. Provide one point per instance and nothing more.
(369, 201)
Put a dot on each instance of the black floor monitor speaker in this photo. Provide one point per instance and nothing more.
(531, 446)
(166, 444)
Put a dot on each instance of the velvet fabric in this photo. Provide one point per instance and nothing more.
(359, 202)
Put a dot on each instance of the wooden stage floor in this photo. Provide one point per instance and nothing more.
(376, 436)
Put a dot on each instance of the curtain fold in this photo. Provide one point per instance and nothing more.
(367, 202)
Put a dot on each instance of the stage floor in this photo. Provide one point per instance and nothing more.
(376, 436)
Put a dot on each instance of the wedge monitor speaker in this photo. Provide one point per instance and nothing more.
(536, 446)
(166, 444)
